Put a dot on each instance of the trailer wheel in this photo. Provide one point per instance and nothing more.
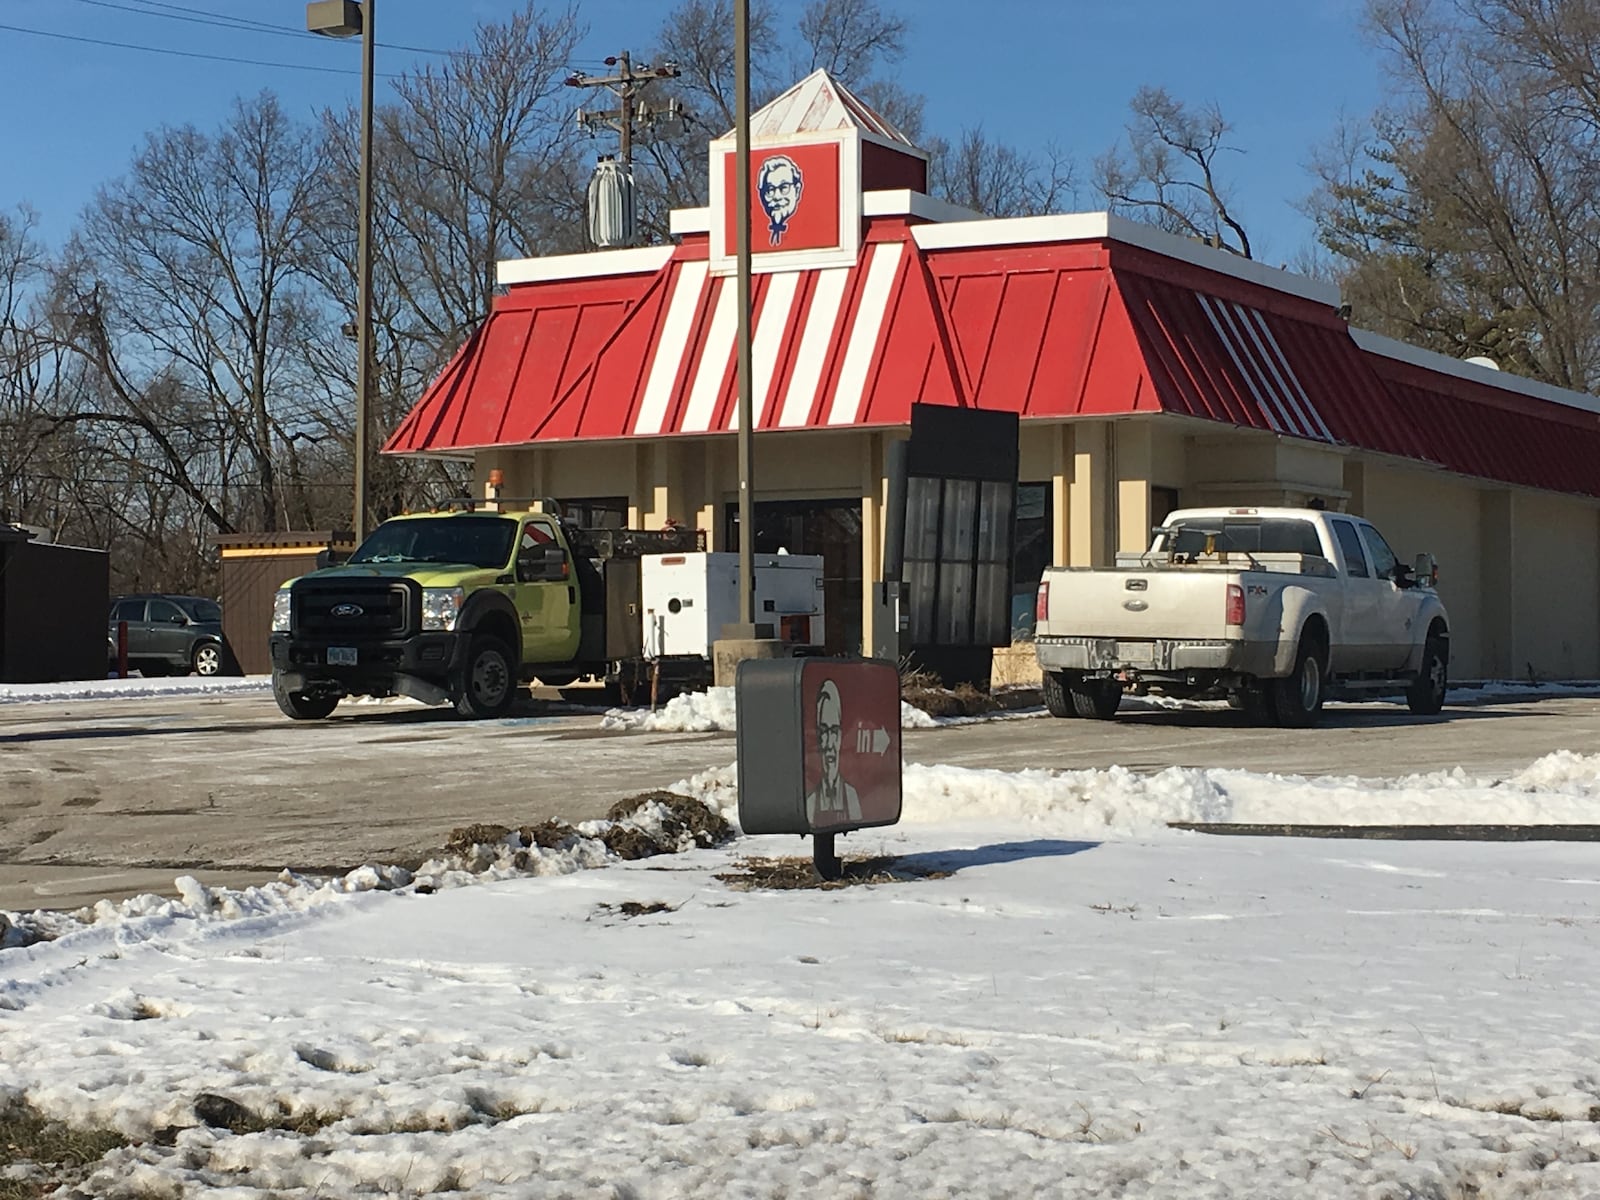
(1057, 700)
(1097, 699)
(300, 706)
(487, 685)
(1298, 697)
(1425, 696)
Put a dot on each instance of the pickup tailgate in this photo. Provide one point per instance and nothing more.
(1136, 604)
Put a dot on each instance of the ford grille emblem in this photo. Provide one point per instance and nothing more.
(348, 610)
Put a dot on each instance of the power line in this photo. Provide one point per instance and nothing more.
(222, 58)
(189, 18)
(244, 24)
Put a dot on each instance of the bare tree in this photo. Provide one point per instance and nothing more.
(851, 39)
(1468, 218)
(1169, 176)
(197, 287)
(997, 179)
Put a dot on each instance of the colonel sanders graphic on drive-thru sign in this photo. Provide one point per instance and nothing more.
(778, 184)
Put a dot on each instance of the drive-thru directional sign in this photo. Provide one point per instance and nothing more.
(819, 748)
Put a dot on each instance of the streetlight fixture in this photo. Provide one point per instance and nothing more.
(341, 19)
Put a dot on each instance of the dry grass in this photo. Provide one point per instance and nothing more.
(925, 690)
(685, 817)
(1015, 665)
(791, 874)
(58, 1155)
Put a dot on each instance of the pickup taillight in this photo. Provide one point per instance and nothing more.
(1041, 606)
(1235, 615)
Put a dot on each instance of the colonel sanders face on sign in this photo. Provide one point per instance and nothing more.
(779, 184)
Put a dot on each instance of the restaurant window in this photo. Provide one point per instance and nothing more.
(1035, 543)
(602, 512)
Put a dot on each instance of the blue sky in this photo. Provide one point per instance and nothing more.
(1029, 72)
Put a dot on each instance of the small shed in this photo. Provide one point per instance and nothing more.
(53, 604)
(254, 567)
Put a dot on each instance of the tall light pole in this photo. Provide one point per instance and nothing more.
(741, 231)
(347, 18)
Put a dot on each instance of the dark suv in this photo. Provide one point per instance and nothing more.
(169, 634)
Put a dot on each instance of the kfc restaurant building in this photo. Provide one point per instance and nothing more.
(1149, 372)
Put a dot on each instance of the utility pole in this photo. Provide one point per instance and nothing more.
(611, 204)
(629, 85)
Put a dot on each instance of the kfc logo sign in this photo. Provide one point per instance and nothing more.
(779, 182)
(793, 198)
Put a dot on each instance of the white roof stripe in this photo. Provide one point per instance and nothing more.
(814, 342)
(1250, 321)
(1306, 404)
(715, 352)
(771, 327)
(670, 347)
(846, 407)
(1249, 379)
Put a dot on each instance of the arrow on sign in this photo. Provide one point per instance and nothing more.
(872, 739)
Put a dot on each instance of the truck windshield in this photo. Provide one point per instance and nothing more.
(1256, 536)
(473, 541)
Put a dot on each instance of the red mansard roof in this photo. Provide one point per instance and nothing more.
(1046, 317)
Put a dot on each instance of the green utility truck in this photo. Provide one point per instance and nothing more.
(461, 607)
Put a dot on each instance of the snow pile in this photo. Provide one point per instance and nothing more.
(553, 849)
(1559, 789)
(714, 711)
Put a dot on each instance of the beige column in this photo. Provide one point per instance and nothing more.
(1090, 497)
(1355, 482)
(1134, 447)
(1060, 495)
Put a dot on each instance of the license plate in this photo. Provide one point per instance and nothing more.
(1143, 653)
(341, 656)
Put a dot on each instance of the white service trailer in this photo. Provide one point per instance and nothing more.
(687, 598)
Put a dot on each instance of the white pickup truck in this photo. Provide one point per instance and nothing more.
(1277, 609)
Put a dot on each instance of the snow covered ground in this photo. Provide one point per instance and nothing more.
(1062, 997)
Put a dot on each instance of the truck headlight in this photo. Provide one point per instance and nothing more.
(441, 607)
(280, 611)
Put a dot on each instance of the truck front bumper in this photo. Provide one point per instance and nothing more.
(1161, 656)
(303, 665)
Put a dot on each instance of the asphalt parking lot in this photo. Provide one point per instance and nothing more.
(107, 798)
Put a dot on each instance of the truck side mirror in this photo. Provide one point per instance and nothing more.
(1426, 570)
(541, 563)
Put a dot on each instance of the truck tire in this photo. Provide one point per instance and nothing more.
(298, 706)
(1097, 699)
(1057, 700)
(1425, 696)
(1298, 697)
(487, 685)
